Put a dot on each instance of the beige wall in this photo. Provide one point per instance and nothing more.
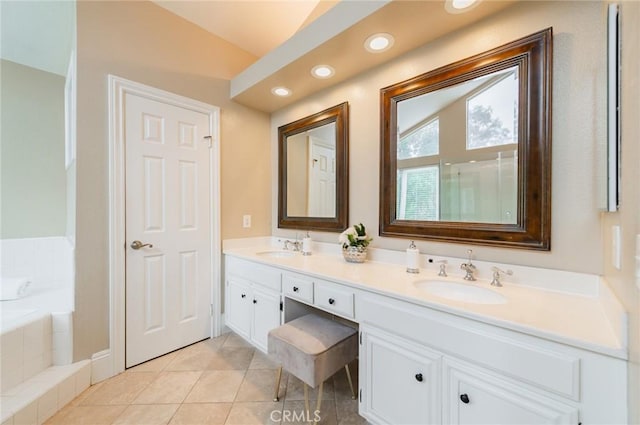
(624, 281)
(32, 171)
(579, 90)
(143, 42)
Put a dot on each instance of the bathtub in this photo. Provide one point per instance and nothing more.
(37, 376)
(39, 301)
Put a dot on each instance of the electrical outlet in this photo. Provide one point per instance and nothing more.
(246, 221)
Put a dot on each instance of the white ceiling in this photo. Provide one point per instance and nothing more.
(255, 26)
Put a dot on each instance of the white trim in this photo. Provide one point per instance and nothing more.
(101, 366)
(118, 88)
(70, 113)
(613, 109)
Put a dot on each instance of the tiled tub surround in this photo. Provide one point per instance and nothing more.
(37, 377)
(560, 338)
(48, 264)
(36, 331)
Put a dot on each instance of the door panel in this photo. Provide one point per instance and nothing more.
(168, 282)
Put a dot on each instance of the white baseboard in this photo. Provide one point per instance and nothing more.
(101, 366)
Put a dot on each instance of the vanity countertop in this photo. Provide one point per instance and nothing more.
(571, 319)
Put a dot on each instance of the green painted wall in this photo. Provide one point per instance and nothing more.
(32, 176)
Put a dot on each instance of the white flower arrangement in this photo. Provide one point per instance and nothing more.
(355, 235)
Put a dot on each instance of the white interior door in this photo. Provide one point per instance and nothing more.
(322, 179)
(168, 207)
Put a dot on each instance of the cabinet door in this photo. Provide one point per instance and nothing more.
(473, 396)
(238, 310)
(400, 380)
(266, 316)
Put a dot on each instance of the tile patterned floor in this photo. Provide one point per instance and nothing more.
(217, 381)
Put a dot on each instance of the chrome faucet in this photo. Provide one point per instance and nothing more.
(297, 245)
(469, 268)
(496, 275)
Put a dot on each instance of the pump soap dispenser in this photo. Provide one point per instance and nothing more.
(413, 259)
(306, 245)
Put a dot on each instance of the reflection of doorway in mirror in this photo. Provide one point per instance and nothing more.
(322, 179)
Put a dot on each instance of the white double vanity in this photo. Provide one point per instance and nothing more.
(548, 347)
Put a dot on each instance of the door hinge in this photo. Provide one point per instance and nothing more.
(360, 338)
(211, 310)
(209, 139)
(360, 395)
(281, 306)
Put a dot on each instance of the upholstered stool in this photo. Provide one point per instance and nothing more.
(313, 348)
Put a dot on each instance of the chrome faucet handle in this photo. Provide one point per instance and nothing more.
(496, 275)
(288, 243)
(469, 269)
(443, 268)
(297, 245)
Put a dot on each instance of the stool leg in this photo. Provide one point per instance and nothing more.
(318, 402)
(277, 389)
(353, 392)
(306, 399)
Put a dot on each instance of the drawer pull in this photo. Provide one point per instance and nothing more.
(243, 295)
(419, 377)
(464, 398)
(255, 301)
(332, 301)
(295, 289)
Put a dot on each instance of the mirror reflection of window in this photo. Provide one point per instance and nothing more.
(454, 162)
(418, 197)
(422, 140)
(492, 113)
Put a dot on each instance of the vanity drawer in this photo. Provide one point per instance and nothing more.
(298, 287)
(334, 298)
(257, 273)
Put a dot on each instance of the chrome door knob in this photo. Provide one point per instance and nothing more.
(138, 245)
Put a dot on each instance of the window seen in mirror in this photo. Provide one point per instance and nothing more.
(492, 114)
(421, 140)
(418, 197)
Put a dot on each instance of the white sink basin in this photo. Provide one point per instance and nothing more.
(277, 254)
(461, 292)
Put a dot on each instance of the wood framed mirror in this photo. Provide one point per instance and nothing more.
(466, 150)
(313, 175)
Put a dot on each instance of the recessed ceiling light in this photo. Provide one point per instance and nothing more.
(379, 42)
(322, 71)
(460, 6)
(281, 91)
